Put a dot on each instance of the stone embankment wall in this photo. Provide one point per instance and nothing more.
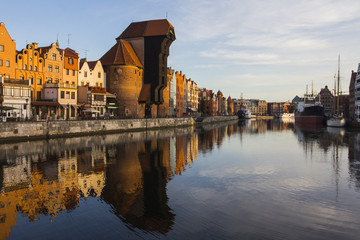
(204, 120)
(52, 129)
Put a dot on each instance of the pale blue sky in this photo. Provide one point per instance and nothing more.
(264, 49)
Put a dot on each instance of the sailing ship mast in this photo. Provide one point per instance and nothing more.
(338, 87)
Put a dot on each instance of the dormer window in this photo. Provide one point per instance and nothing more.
(53, 56)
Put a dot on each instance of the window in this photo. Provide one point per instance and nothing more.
(82, 84)
(56, 80)
(38, 81)
(71, 61)
(53, 56)
(62, 94)
(99, 97)
(99, 74)
(73, 72)
(30, 67)
(7, 63)
(56, 69)
(21, 78)
(85, 73)
(38, 95)
(1, 48)
(100, 84)
(97, 84)
(1, 62)
(49, 80)
(49, 68)
(67, 71)
(31, 80)
(72, 95)
(25, 67)
(67, 95)
(35, 68)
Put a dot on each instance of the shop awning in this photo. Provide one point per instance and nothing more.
(92, 110)
(7, 108)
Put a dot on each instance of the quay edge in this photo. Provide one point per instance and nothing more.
(25, 131)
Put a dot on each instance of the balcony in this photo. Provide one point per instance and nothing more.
(60, 85)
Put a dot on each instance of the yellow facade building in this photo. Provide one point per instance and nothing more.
(30, 66)
(7, 53)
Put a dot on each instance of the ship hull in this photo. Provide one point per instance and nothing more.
(309, 120)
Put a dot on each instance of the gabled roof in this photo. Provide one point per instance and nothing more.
(92, 64)
(81, 62)
(146, 29)
(121, 53)
(71, 52)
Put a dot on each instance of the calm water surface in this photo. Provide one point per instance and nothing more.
(238, 180)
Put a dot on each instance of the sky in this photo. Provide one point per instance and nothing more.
(262, 49)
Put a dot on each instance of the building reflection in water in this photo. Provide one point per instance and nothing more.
(128, 171)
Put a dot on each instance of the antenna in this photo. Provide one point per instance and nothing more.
(57, 39)
(69, 39)
(85, 50)
(166, 15)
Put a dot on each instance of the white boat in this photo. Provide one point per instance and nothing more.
(287, 115)
(244, 114)
(337, 120)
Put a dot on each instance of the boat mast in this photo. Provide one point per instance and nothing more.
(338, 87)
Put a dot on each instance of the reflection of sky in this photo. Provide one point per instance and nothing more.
(270, 185)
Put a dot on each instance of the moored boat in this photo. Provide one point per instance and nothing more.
(244, 114)
(337, 120)
(310, 114)
(287, 115)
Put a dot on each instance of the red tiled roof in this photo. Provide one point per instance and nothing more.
(98, 90)
(146, 29)
(121, 53)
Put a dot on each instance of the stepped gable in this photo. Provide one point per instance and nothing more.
(147, 29)
(121, 53)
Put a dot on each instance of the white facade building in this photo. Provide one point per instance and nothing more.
(91, 74)
(15, 99)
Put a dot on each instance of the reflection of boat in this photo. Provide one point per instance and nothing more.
(309, 112)
(337, 120)
(336, 131)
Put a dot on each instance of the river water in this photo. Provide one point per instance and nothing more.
(235, 180)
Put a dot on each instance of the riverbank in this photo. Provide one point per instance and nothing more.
(23, 131)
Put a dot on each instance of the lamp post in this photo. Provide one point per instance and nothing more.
(124, 110)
